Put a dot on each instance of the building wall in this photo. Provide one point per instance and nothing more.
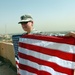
(7, 51)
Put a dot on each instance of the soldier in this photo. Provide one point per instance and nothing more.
(27, 25)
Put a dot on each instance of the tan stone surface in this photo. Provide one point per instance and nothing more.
(7, 51)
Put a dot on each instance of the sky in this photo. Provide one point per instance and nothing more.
(48, 15)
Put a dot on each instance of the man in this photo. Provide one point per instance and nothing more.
(27, 25)
(71, 34)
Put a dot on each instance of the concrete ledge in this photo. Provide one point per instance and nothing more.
(7, 52)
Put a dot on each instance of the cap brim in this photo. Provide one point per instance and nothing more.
(25, 21)
(22, 21)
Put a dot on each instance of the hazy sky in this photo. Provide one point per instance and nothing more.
(48, 15)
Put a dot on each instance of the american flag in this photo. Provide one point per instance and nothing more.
(46, 55)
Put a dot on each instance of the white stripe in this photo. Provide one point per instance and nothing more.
(61, 62)
(48, 44)
(16, 59)
(23, 72)
(40, 67)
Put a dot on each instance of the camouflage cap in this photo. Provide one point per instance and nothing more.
(25, 18)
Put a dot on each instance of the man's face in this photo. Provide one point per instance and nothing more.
(27, 26)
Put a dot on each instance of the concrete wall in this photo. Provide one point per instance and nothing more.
(7, 51)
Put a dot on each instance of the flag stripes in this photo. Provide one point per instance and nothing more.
(32, 70)
(24, 72)
(53, 65)
(47, 58)
(59, 39)
(52, 52)
(48, 44)
(46, 55)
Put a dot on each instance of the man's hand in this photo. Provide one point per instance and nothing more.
(71, 34)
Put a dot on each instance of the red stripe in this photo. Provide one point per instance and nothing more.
(46, 63)
(17, 63)
(32, 70)
(58, 39)
(47, 51)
